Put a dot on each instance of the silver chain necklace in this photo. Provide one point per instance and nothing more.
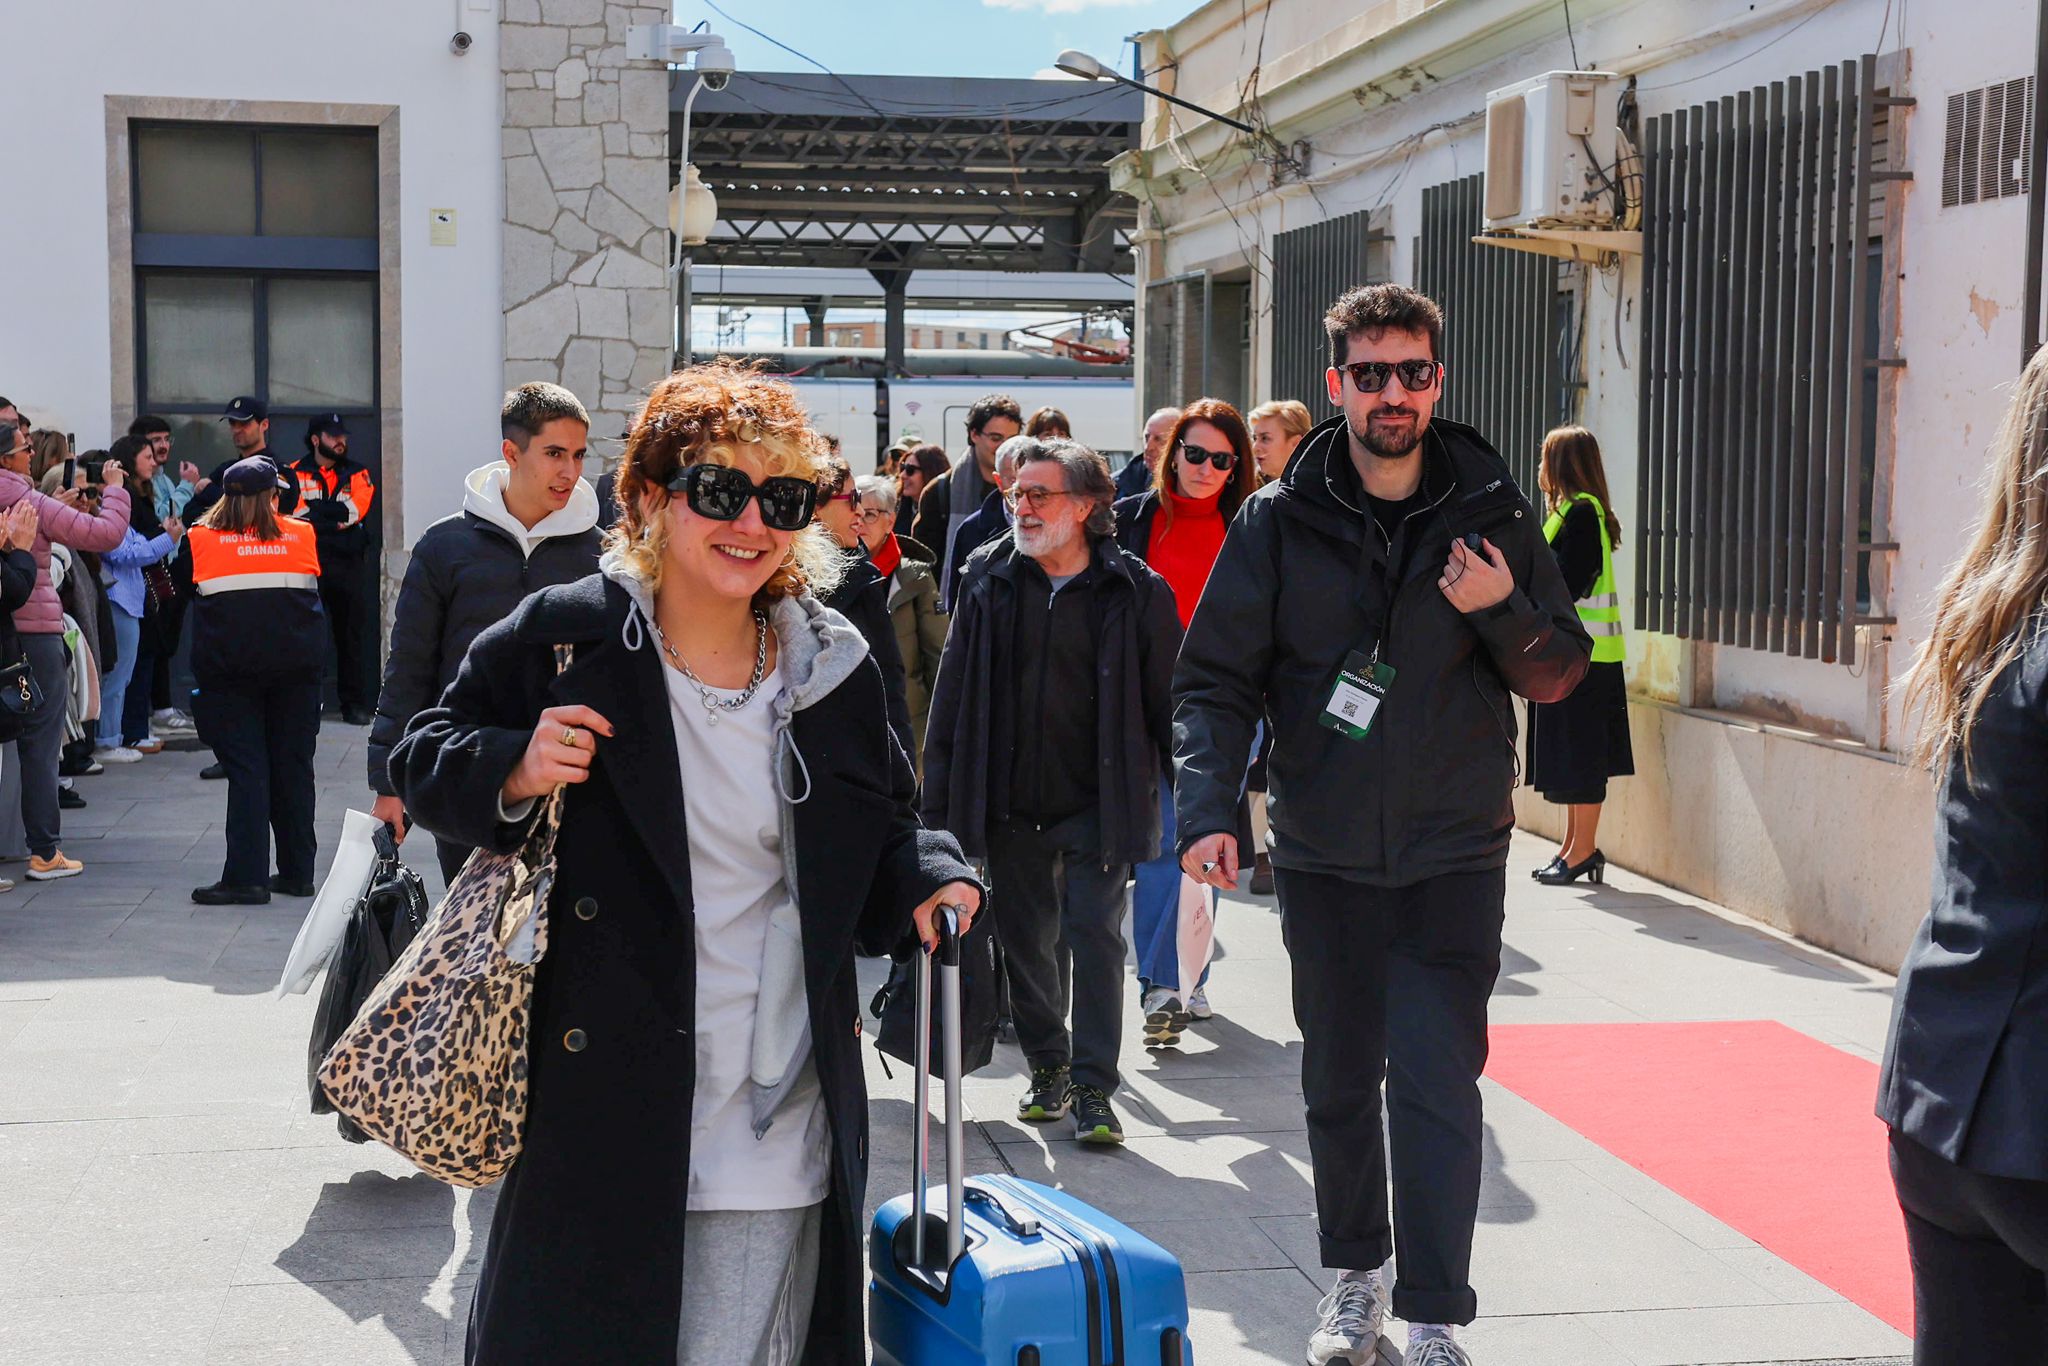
(713, 703)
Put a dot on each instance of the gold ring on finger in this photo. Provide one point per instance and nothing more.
(569, 736)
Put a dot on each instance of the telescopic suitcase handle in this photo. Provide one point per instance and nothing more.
(948, 954)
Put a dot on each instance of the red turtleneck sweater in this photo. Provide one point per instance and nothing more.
(1184, 552)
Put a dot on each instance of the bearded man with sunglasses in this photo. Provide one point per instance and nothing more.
(1379, 603)
(1050, 729)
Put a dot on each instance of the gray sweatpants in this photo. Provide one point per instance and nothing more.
(749, 1279)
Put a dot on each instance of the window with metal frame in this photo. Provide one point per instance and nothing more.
(1761, 280)
(1508, 329)
(1312, 267)
(256, 259)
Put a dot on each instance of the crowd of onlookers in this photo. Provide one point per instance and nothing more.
(99, 586)
(94, 535)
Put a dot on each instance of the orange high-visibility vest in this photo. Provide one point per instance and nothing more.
(230, 561)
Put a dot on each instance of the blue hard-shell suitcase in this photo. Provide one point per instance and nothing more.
(1009, 1272)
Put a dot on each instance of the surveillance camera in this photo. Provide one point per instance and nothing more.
(461, 43)
(715, 65)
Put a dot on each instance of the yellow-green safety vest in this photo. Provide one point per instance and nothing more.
(1600, 609)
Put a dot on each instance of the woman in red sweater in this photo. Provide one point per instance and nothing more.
(1177, 527)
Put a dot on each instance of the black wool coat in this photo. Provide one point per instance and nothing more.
(464, 575)
(585, 1262)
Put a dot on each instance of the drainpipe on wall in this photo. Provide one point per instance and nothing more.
(2037, 189)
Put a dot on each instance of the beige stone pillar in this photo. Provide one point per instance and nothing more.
(585, 148)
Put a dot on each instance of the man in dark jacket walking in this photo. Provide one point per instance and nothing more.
(1049, 728)
(528, 522)
(1379, 603)
(336, 494)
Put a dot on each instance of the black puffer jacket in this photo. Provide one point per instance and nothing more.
(971, 740)
(1303, 580)
(465, 574)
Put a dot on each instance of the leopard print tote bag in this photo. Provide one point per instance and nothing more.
(435, 1064)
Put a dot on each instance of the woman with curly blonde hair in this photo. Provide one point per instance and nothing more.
(1966, 1068)
(737, 826)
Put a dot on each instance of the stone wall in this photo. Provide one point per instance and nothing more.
(586, 293)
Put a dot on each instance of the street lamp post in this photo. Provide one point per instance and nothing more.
(1077, 63)
(692, 207)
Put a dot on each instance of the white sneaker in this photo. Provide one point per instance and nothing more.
(1436, 1350)
(1352, 1315)
(1165, 1018)
(118, 754)
(170, 719)
(1198, 1004)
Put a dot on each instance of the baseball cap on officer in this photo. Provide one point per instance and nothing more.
(327, 424)
(257, 474)
(246, 410)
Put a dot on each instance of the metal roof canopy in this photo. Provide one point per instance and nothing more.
(891, 173)
(1006, 291)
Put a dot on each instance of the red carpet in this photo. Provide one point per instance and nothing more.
(1769, 1131)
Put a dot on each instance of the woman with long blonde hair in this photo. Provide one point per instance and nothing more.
(1965, 1083)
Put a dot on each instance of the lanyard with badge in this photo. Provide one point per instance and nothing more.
(1362, 683)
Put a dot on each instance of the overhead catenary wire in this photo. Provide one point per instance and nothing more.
(847, 85)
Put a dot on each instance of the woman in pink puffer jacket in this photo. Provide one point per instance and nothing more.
(40, 625)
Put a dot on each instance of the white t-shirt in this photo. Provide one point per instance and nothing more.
(737, 879)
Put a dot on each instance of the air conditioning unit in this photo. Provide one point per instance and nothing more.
(1550, 152)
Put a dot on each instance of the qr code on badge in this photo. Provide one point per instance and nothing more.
(1350, 707)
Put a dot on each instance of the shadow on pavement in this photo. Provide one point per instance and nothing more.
(380, 1247)
(1676, 922)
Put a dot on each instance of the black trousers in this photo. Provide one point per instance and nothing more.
(451, 858)
(351, 605)
(170, 627)
(1059, 919)
(1979, 1248)
(264, 736)
(1392, 983)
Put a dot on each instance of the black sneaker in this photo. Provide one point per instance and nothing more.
(1050, 1097)
(67, 800)
(214, 772)
(1094, 1120)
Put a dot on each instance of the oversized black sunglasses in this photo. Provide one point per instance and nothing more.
(1417, 376)
(1197, 455)
(721, 492)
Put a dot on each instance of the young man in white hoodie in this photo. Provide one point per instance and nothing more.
(528, 521)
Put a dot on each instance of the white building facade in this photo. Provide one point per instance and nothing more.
(1769, 769)
(336, 208)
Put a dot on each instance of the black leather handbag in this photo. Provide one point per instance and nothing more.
(20, 696)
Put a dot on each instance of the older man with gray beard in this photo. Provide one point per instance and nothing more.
(1049, 730)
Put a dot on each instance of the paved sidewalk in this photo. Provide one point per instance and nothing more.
(168, 1199)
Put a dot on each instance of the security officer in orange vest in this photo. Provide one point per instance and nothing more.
(337, 493)
(259, 639)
